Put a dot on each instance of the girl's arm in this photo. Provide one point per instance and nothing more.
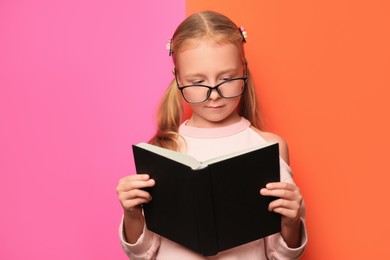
(290, 201)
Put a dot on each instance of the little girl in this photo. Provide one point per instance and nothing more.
(212, 76)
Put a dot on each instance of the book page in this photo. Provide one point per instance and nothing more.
(173, 155)
(191, 161)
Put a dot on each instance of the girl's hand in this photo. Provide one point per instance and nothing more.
(289, 206)
(289, 202)
(131, 195)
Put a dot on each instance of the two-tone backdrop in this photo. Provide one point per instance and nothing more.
(80, 81)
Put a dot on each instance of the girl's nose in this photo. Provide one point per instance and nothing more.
(214, 94)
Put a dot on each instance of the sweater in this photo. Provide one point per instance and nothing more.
(203, 144)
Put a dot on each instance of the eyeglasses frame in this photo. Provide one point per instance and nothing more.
(181, 88)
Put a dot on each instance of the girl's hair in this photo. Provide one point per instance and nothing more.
(212, 26)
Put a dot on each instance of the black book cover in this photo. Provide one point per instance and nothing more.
(213, 208)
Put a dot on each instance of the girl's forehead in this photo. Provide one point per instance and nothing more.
(208, 55)
(202, 42)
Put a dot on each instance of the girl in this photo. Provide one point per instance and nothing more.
(212, 76)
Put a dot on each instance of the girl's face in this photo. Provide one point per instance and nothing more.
(209, 64)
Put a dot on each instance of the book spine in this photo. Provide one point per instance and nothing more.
(205, 216)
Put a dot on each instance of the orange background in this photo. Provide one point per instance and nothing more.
(322, 74)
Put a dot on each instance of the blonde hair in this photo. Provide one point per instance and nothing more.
(212, 26)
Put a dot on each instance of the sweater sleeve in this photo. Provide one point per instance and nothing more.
(276, 247)
(145, 248)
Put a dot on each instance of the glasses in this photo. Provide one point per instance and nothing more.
(198, 93)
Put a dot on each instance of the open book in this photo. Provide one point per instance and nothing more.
(210, 206)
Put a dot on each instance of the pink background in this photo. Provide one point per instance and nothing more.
(79, 83)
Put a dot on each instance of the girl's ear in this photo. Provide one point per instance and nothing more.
(173, 71)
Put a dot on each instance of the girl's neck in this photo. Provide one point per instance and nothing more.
(199, 122)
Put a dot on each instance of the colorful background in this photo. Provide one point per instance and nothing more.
(80, 81)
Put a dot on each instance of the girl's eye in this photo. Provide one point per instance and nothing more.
(226, 77)
(197, 82)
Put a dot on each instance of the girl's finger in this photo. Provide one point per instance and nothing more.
(281, 185)
(288, 213)
(134, 177)
(285, 194)
(135, 184)
(287, 204)
(138, 184)
(134, 194)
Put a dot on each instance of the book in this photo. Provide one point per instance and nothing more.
(210, 206)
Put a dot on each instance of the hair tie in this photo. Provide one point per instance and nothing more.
(243, 33)
(169, 46)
